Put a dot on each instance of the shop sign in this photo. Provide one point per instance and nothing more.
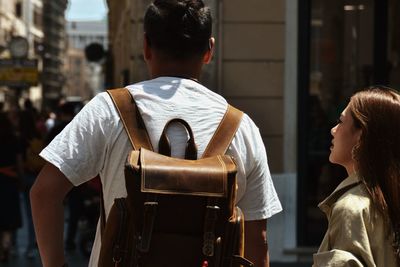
(19, 72)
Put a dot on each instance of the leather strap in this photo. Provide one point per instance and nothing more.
(225, 132)
(164, 146)
(134, 127)
(131, 119)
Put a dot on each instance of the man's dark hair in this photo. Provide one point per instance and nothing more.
(180, 29)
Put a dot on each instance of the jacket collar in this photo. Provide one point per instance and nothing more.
(344, 186)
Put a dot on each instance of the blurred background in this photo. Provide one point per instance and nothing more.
(52, 61)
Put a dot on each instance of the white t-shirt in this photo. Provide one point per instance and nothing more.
(95, 142)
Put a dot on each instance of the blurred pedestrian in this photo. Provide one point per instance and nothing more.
(33, 142)
(64, 114)
(75, 198)
(50, 120)
(363, 211)
(10, 182)
(41, 123)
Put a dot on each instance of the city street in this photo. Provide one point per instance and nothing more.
(18, 259)
(296, 71)
(74, 260)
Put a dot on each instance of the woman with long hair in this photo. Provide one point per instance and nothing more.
(364, 210)
(10, 183)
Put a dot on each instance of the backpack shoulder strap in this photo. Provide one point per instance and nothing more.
(131, 119)
(225, 132)
(134, 127)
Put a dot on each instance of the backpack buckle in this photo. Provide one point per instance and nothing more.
(209, 230)
(150, 209)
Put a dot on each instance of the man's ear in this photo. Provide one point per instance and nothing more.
(146, 48)
(209, 54)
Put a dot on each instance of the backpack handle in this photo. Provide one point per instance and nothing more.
(164, 145)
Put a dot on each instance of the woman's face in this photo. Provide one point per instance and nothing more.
(345, 137)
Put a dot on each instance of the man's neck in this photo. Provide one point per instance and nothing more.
(178, 75)
(185, 69)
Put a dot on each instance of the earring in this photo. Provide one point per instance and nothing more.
(354, 152)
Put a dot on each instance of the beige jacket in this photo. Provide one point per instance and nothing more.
(356, 232)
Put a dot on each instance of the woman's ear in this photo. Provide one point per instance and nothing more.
(358, 135)
(209, 54)
(357, 145)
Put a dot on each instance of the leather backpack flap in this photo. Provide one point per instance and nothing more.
(207, 177)
(165, 175)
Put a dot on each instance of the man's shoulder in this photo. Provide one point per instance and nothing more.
(99, 108)
(248, 127)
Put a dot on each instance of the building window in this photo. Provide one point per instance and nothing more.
(394, 44)
(351, 44)
(340, 56)
(38, 18)
(38, 46)
(18, 9)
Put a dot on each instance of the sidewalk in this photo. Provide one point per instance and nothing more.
(18, 259)
(74, 260)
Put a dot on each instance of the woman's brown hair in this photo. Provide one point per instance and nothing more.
(376, 111)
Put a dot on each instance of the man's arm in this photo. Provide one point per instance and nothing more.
(256, 246)
(47, 195)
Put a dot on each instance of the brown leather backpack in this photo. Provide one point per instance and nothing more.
(178, 212)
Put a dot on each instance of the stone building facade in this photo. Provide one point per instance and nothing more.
(22, 18)
(84, 78)
(54, 24)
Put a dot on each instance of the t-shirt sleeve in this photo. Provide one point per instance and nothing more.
(260, 200)
(79, 150)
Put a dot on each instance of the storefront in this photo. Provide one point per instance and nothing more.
(343, 46)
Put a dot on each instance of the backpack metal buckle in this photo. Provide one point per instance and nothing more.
(209, 230)
(150, 209)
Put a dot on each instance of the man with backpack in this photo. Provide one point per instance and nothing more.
(177, 43)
